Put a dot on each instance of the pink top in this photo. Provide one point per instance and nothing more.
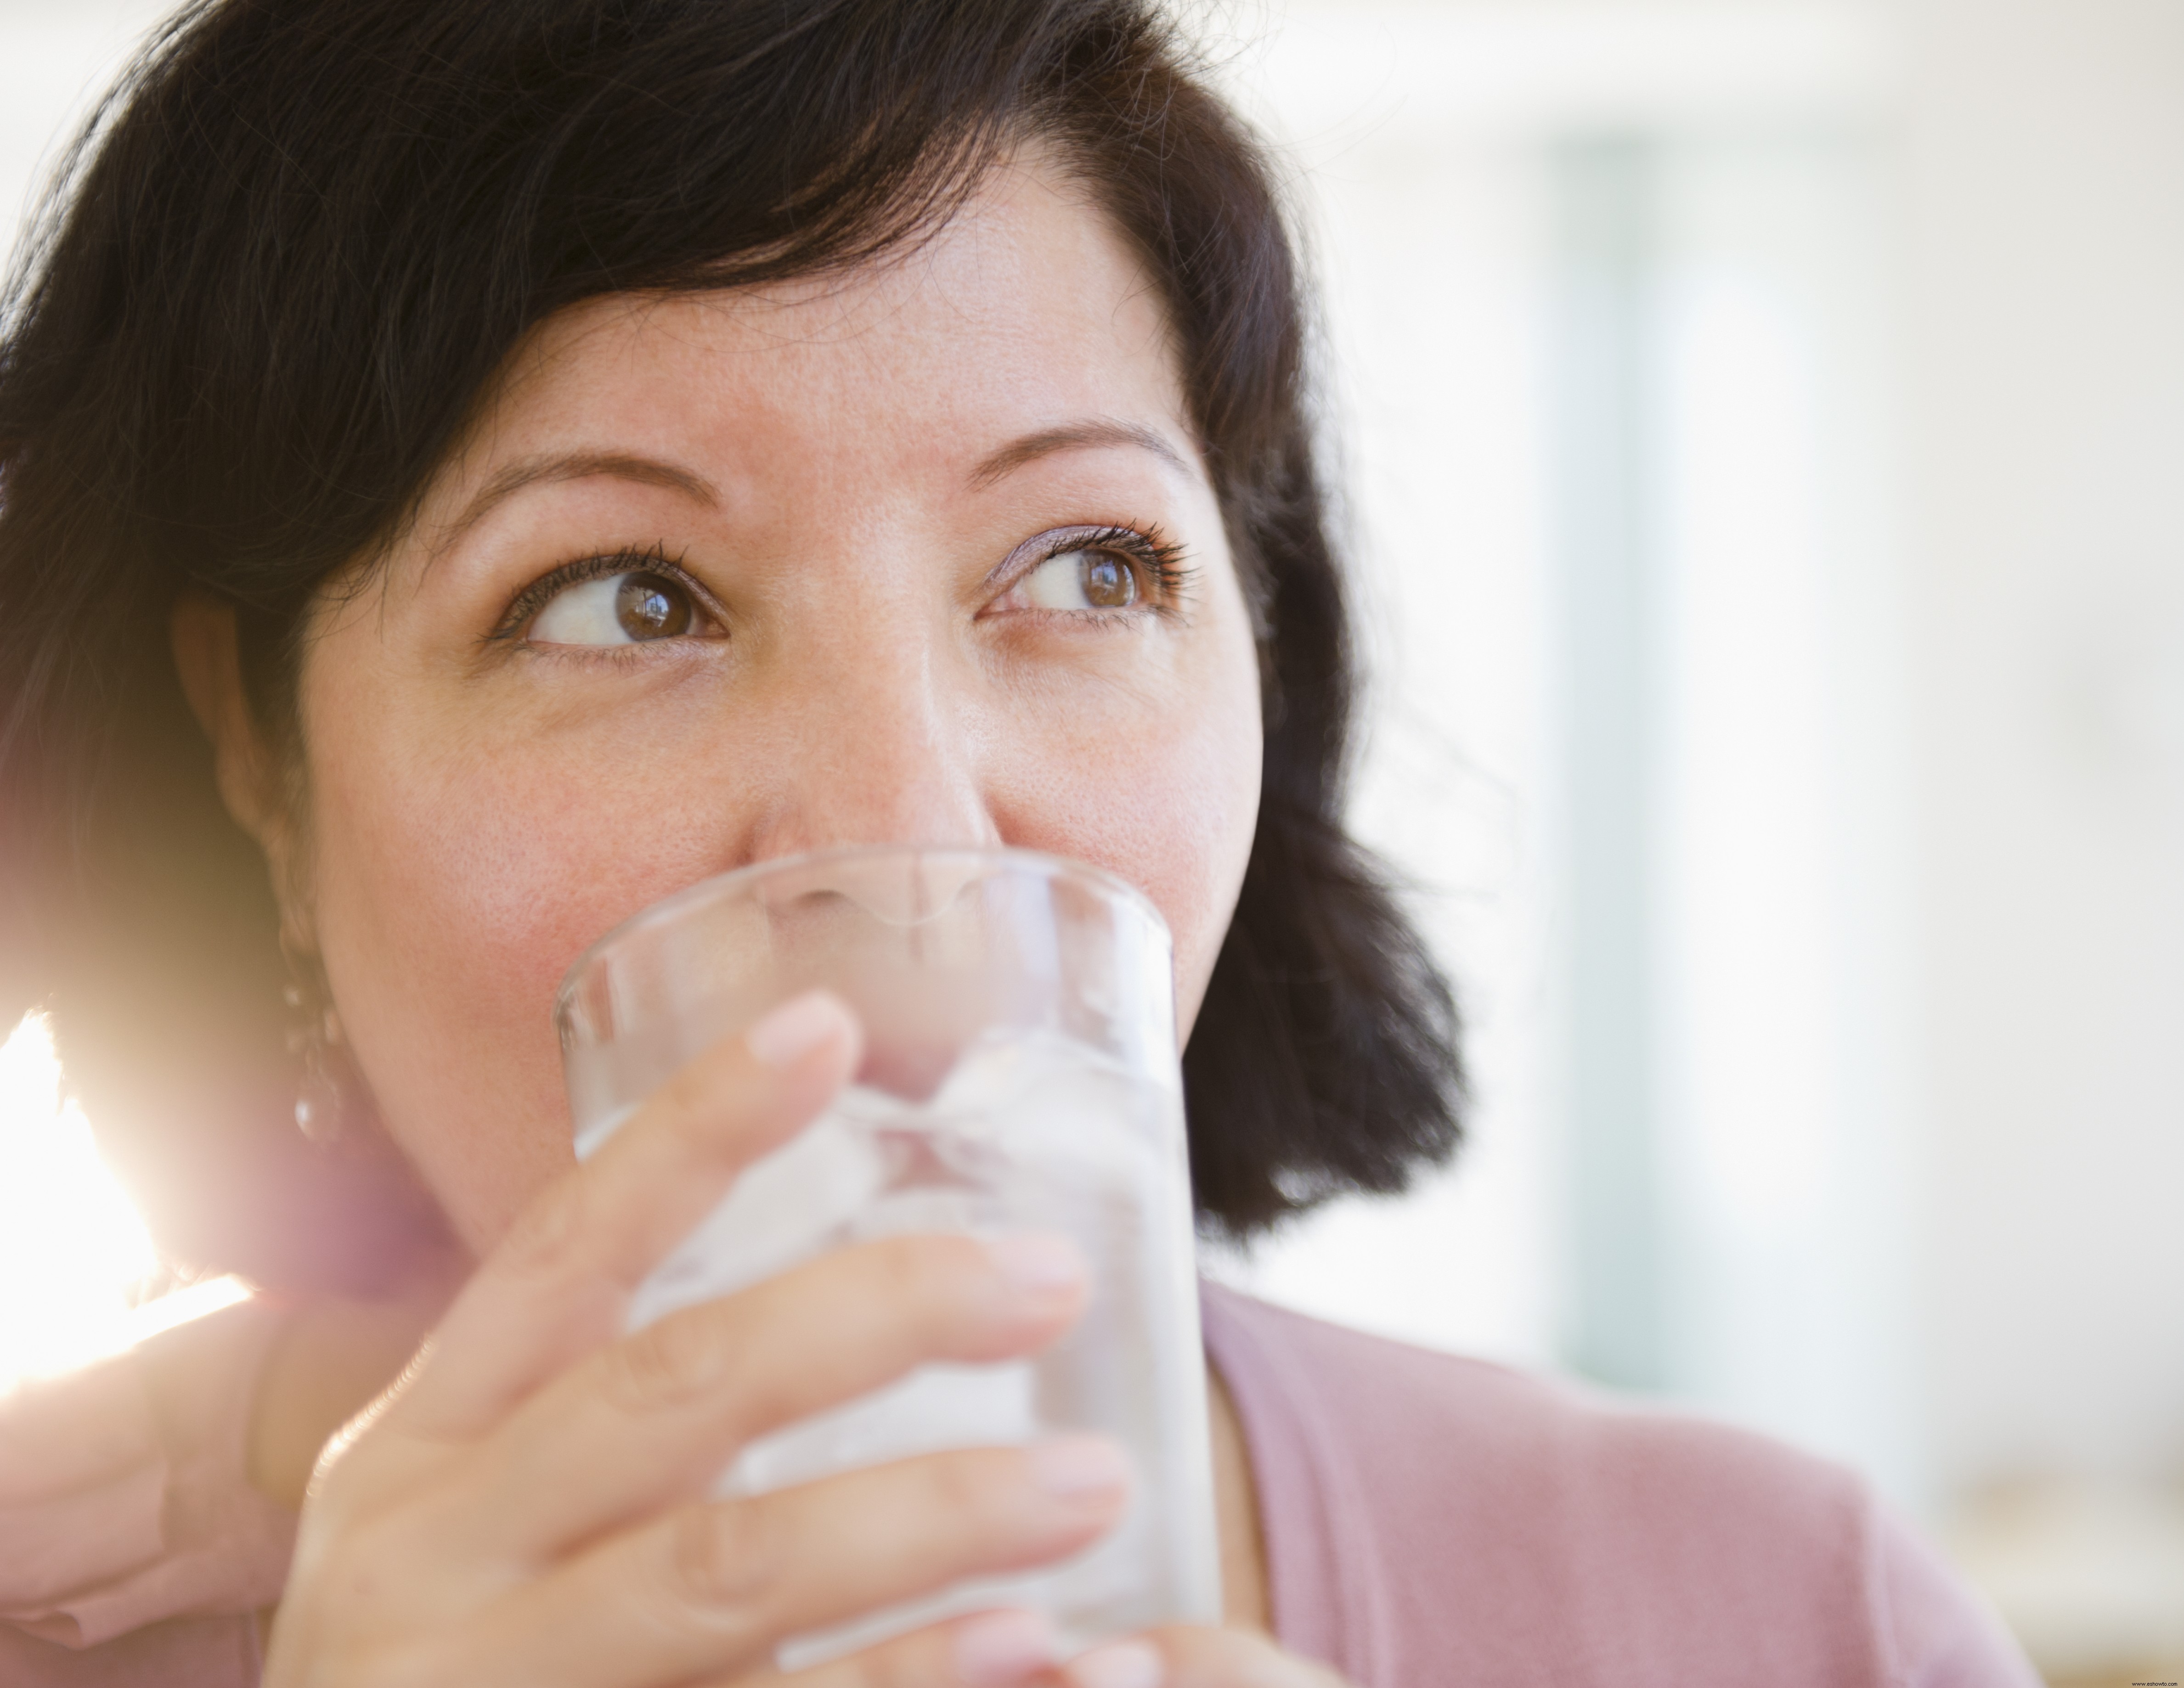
(1427, 1519)
(1432, 1519)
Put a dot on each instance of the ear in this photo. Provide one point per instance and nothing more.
(210, 660)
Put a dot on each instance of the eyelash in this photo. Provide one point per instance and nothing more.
(542, 591)
(1160, 562)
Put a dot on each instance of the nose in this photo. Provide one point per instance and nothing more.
(883, 746)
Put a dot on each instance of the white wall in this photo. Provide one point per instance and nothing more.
(2044, 214)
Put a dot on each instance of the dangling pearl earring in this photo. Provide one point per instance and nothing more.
(314, 1035)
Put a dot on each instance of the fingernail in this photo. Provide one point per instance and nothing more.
(1078, 1467)
(787, 1033)
(1000, 1649)
(1037, 1265)
(1127, 1664)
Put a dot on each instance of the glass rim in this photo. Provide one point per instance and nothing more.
(714, 887)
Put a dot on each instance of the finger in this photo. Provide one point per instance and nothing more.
(557, 1284)
(716, 1588)
(653, 1418)
(991, 1650)
(1190, 1657)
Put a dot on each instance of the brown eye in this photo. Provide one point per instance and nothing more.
(1082, 580)
(636, 608)
(1109, 584)
(649, 607)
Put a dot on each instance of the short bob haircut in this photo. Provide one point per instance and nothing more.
(288, 258)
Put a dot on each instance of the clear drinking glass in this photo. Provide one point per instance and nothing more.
(1020, 1073)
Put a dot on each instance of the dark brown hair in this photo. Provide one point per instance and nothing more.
(288, 257)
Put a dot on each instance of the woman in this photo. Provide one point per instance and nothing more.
(471, 468)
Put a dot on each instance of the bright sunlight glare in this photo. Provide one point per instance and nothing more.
(74, 1257)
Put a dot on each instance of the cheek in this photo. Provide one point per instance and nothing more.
(451, 893)
(1164, 798)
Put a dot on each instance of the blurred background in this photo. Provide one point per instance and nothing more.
(1762, 435)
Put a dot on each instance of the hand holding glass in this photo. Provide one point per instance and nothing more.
(1019, 1074)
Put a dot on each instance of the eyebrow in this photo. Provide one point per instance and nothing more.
(578, 465)
(1070, 436)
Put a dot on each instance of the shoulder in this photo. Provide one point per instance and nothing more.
(1543, 1458)
(1417, 1501)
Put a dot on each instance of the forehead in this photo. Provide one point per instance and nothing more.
(1026, 309)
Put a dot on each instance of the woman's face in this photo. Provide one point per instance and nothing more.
(924, 553)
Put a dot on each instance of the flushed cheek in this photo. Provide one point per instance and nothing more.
(1218, 796)
(1167, 801)
(450, 900)
(1199, 869)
